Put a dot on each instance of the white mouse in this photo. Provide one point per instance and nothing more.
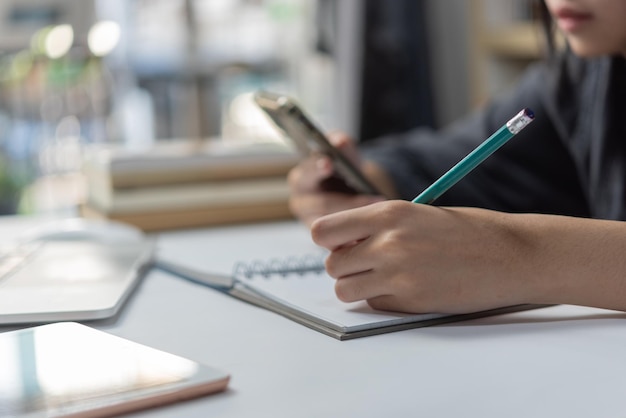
(80, 229)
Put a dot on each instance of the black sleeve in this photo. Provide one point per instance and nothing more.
(533, 172)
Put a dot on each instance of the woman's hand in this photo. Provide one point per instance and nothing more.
(309, 199)
(410, 257)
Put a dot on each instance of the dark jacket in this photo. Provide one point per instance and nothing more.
(571, 160)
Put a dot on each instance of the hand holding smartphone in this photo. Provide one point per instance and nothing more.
(291, 120)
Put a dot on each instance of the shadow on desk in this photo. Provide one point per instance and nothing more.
(557, 318)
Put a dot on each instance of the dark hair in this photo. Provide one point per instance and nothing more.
(542, 15)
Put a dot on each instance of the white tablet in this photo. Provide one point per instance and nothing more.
(71, 370)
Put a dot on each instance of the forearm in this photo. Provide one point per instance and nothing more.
(571, 260)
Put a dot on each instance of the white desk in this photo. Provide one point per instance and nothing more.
(555, 362)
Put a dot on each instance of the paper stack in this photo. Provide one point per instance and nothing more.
(182, 184)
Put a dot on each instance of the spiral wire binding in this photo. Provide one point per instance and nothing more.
(290, 265)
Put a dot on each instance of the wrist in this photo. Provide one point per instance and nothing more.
(566, 260)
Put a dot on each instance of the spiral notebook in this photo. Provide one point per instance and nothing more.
(300, 289)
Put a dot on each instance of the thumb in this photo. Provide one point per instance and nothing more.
(346, 145)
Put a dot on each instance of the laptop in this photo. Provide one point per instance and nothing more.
(72, 270)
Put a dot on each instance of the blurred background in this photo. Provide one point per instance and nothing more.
(132, 72)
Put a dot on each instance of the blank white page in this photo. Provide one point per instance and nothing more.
(313, 294)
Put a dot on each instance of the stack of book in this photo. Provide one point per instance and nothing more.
(183, 184)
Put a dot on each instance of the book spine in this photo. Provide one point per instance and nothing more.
(235, 192)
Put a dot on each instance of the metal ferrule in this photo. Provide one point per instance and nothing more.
(519, 121)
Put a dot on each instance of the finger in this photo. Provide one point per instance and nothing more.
(339, 139)
(337, 229)
(308, 174)
(309, 207)
(363, 286)
(352, 258)
(346, 145)
(393, 303)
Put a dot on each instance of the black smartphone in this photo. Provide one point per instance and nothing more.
(291, 120)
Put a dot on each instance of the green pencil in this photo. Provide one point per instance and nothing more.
(477, 156)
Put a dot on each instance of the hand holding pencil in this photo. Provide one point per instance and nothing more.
(420, 258)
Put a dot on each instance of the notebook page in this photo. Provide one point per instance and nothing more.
(312, 296)
(217, 250)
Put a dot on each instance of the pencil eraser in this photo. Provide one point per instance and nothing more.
(528, 112)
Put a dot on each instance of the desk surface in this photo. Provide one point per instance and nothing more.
(560, 361)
